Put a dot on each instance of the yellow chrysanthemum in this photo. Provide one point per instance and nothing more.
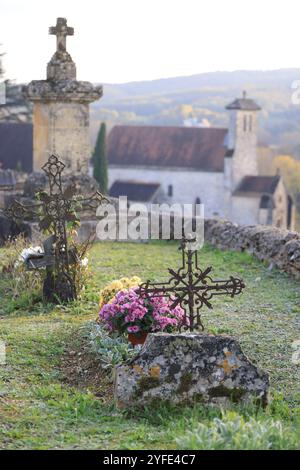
(109, 292)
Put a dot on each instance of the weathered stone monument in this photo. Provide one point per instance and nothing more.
(189, 367)
(61, 109)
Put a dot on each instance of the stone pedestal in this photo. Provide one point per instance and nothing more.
(186, 368)
(61, 109)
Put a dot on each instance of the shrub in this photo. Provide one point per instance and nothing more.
(235, 432)
(22, 286)
(111, 350)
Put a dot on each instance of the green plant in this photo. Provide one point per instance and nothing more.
(111, 350)
(234, 431)
(22, 286)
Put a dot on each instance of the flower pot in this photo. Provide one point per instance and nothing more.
(136, 339)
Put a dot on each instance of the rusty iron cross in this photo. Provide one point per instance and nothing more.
(191, 287)
(54, 211)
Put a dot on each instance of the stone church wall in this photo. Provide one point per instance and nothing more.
(186, 185)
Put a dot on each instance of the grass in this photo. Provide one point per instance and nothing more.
(39, 410)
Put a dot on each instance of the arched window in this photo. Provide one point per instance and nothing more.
(245, 123)
(197, 200)
(170, 190)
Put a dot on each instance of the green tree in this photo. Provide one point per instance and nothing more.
(1, 65)
(100, 159)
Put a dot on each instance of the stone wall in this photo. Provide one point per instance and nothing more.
(280, 248)
(187, 185)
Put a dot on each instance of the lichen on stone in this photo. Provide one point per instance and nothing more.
(184, 368)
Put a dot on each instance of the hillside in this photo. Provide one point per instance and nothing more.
(204, 96)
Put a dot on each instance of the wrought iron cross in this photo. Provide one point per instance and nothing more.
(191, 287)
(54, 211)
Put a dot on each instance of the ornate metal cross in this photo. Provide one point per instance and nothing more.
(191, 287)
(61, 31)
(54, 211)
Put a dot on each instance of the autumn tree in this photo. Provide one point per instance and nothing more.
(289, 168)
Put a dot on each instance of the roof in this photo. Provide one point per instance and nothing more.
(134, 190)
(244, 104)
(197, 148)
(258, 185)
(7, 178)
(16, 146)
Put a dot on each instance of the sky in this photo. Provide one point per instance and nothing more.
(118, 41)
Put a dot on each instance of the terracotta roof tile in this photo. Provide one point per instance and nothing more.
(258, 185)
(198, 148)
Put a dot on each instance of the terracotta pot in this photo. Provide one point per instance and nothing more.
(136, 339)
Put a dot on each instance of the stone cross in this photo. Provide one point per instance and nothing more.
(191, 287)
(61, 31)
(54, 211)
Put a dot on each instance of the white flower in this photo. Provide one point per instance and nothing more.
(27, 253)
(84, 262)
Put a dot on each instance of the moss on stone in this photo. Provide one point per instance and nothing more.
(235, 394)
(146, 383)
(185, 382)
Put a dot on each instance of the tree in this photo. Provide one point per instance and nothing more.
(289, 168)
(1, 65)
(100, 159)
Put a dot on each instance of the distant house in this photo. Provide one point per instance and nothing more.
(214, 166)
(16, 146)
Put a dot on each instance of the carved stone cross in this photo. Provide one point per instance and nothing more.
(61, 31)
(191, 287)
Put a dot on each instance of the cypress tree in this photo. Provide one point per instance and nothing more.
(100, 160)
(1, 65)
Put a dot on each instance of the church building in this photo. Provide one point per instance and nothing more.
(213, 166)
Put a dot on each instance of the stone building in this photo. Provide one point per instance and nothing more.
(214, 166)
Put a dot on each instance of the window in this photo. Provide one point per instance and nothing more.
(170, 190)
(197, 200)
(245, 123)
(250, 123)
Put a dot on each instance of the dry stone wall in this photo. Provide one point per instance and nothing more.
(280, 248)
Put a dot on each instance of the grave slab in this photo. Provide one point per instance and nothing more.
(187, 368)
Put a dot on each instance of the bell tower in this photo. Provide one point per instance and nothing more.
(242, 140)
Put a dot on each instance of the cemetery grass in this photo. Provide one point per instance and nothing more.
(47, 402)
